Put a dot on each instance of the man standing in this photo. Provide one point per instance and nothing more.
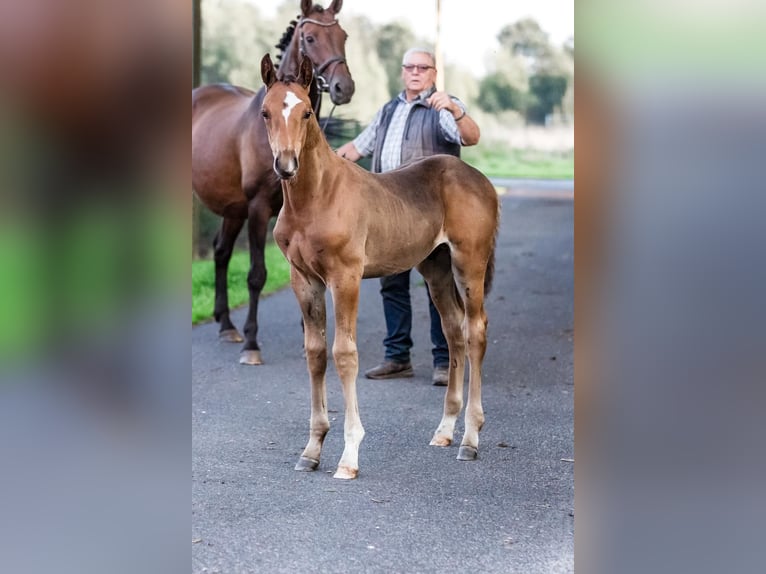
(419, 122)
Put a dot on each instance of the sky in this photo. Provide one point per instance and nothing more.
(469, 27)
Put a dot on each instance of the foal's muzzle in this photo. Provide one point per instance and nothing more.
(285, 165)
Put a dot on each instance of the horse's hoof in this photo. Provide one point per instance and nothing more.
(467, 453)
(346, 473)
(306, 464)
(250, 358)
(230, 336)
(440, 440)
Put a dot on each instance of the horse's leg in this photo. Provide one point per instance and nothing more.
(437, 271)
(310, 295)
(469, 273)
(223, 246)
(258, 215)
(345, 293)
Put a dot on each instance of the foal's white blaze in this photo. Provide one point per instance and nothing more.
(291, 100)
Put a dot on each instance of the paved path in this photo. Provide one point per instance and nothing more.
(414, 508)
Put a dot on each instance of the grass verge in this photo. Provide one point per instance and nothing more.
(203, 281)
(500, 161)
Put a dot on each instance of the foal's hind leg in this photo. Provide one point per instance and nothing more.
(223, 246)
(437, 271)
(469, 271)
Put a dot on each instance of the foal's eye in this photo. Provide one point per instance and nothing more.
(265, 114)
(307, 115)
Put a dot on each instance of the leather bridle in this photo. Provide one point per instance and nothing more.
(322, 83)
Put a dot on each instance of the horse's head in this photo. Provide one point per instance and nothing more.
(320, 37)
(287, 111)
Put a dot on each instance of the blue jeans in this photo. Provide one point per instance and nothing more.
(397, 309)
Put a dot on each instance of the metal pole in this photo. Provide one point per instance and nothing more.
(438, 48)
(196, 64)
(196, 41)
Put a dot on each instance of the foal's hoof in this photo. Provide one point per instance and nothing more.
(440, 440)
(306, 464)
(467, 453)
(230, 336)
(346, 473)
(250, 358)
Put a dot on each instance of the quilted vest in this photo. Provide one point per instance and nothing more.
(422, 135)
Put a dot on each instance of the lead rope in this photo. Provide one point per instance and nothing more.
(327, 120)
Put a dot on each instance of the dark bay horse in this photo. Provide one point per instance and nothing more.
(340, 224)
(232, 170)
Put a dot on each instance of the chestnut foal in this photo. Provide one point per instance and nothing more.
(340, 224)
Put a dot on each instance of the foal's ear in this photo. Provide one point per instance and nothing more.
(306, 72)
(335, 6)
(268, 74)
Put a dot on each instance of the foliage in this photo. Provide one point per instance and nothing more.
(392, 41)
(526, 38)
(367, 69)
(496, 94)
(569, 48)
(206, 224)
(548, 92)
(234, 39)
(236, 35)
(550, 72)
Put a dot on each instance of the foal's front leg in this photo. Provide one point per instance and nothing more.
(310, 295)
(345, 295)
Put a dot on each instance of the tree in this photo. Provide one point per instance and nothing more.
(496, 94)
(234, 37)
(525, 38)
(392, 41)
(367, 70)
(569, 47)
(548, 91)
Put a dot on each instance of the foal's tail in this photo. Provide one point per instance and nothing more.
(489, 275)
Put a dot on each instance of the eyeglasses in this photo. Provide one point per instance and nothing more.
(420, 67)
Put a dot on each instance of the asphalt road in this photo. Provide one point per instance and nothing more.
(414, 508)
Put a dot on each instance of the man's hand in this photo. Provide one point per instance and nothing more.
(441, 101)
(348, 151)
(469, 131)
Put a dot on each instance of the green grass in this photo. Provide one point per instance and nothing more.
(203, 281)
(500, 161)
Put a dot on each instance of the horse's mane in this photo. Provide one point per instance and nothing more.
(287, 37)
(285, 40)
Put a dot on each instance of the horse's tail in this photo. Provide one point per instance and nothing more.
(489, 275)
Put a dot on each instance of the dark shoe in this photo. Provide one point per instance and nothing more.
(390, 370)
(441, 376)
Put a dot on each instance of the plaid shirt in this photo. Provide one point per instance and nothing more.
(391, 155)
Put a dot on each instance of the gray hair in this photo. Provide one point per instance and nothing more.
(426, 51)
